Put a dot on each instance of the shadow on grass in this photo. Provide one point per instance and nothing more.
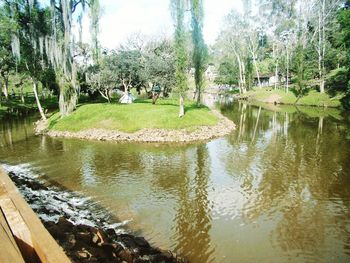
(53, 122)
(300, 93)
(188, 106)
(158, 103)
(194, 106)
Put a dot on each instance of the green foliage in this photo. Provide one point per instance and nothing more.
(94, 27)
(160, 64)
(249, 73)
(299, 64)
(337, 79)
(133, 117)
(178, 13)
(7, 61)
(48, 80)
(227, 74)
(266, 67)
(346, 99)
(344, 21)
(200, 52)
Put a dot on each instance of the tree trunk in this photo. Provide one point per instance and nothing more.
(244, 87)
(125, 89)
(125, 85)
(198, 95)
(287, 78)
(321, 44)
(22, 95)
(37, 100)
(105, 96)
(276, 74)
(322, 85)
(257, 70)
(5, 87)
(240, 77)
(182, 107)
(241, 89)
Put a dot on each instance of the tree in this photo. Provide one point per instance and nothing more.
(232, 40)
(227, 74)
(343, 18)
(160, 64)
(59, 47)
(101, 78)
(178, 14)
(253, 47)
(6, 64)
(200, 52)
(28, 27)
(128, 68)
(7, 61)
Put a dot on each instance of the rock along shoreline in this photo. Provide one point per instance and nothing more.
(96, 241)
(201, 133)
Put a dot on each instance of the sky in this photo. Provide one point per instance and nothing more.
(122, 18)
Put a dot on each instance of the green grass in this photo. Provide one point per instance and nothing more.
(312, 98)
(133, 117)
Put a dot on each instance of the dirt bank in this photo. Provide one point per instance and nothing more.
(202, 133)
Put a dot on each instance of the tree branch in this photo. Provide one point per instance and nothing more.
(75, 6)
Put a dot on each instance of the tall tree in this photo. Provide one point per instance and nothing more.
(29, 26)
(160, 64)
(7, 61)
(232, 40)
(343, 18)
(178, 14)
(59, 46)
(200, 52)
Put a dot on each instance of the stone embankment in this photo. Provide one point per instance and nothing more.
(202, 133)
(84, 243)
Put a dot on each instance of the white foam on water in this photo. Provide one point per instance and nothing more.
(22, 170)
(53, 203)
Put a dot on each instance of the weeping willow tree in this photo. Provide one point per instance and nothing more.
(44, 36)
(60, 44)
(28, 26)
(94, 29)
(178, 14)
(199, 48)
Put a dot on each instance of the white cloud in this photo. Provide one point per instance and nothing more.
(121, 18)
(214, 13)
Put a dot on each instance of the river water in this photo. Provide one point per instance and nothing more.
(276, 190)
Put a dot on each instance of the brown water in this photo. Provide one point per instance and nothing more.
(276, 190)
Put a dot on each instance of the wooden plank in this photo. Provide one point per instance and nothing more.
(4, 224)
(9, 250)
(45, 246)
(19, 229)
(7, 231)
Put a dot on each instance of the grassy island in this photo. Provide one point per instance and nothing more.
(133, 117)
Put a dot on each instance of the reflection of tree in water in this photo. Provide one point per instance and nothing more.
(13, 131)
(193, 219)
(303, 170)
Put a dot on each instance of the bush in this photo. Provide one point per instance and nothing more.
(337, 80)
(345, 101)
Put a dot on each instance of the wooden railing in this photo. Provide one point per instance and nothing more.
(23, 238)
